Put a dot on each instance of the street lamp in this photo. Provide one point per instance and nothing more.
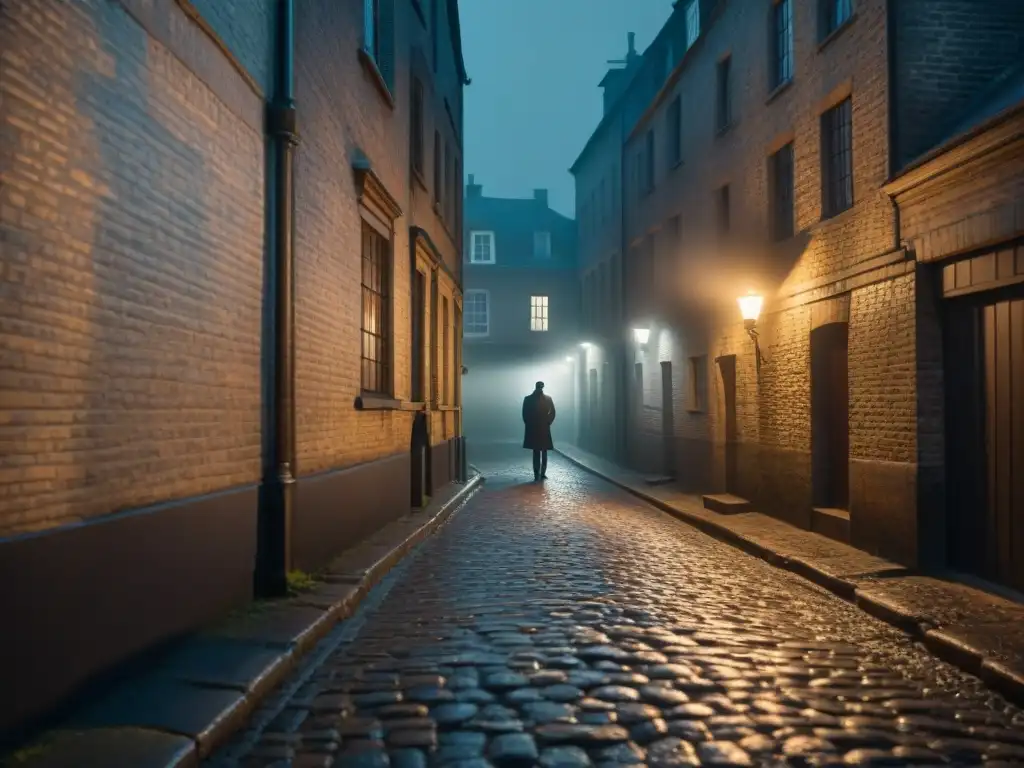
(641, 335)
(750, 310)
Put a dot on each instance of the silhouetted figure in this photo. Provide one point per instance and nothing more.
(538, 413)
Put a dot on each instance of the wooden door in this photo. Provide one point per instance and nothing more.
(727, 370)
(830, 416)
(1002, 329)
(668, 429)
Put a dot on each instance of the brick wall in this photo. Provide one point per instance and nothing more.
(948, 54)
(342, 113)
(845, 268)
(131, 216)
(247, 28)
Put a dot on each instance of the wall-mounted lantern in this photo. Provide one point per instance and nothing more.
(641, 335)
(570, 359)
(750, 309)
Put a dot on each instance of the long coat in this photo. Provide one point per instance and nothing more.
(538, 413)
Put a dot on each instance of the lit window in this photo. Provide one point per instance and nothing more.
(476, 313)
(481, 247)
(542, 245)
(538, 313)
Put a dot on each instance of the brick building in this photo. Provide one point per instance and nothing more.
(166, 300)
(597, 173)
(759, 153)
(521, 312)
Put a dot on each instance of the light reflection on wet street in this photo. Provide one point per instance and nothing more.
(567, 623)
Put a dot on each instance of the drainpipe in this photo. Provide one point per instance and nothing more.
(622, 439)
(274, 528)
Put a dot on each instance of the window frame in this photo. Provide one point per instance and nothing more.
(831, 20)
(692, 23)
(540, 314)
(467, 298)
(438, 166)
(675, 132)
(782, 54)
(782, 178)
(837, 193)
(648, 162)
(371, 29)
(723, 210)
(417, 149)
(381, 383)
(723, 94)
(492, 246)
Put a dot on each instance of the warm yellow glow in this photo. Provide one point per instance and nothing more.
(641, 335)
(750, 306)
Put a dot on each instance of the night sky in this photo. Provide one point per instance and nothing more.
(534, 100)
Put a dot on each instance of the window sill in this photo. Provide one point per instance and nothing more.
(778, 89)
(838, 216)
(722, 130)
(827, 39)
(695, 411)
(447, 408)
(370, 65)
(369, 401)
(676, 164)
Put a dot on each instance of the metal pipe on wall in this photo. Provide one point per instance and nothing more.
(274, 528)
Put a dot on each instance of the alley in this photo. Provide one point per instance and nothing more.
(568, 624)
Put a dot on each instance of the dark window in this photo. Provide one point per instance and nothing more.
(445, 352)
(649, 161)
(375, 343)
(833, 14)
(416, 128)
(419, 323)
(723, 105)
(722, 214)
(438, 164)
(433, 32)
(457, 193)
(782, 42)
(371, 28)
(449, 179)
(837, 159)
(379, 37)
(780, 175)
(675, 132)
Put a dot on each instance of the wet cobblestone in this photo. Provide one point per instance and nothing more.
(567, 624)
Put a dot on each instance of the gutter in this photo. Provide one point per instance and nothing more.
(277, 489)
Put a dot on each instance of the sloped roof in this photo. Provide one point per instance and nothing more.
(455, 28)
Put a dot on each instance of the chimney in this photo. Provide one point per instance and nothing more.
(631, 40)
(472, 188)
(541, 196)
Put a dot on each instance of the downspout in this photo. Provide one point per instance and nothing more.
(274, 529)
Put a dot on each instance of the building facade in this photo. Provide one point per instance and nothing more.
(763, 164)
(219, 221)
(521, 316)
(597, 173)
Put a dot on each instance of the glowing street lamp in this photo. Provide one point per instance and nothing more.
(750, 310)
(641, 335)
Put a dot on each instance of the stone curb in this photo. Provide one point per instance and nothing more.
(279, 644)
(941, 642)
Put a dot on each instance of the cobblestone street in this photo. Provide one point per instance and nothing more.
(568, 624)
